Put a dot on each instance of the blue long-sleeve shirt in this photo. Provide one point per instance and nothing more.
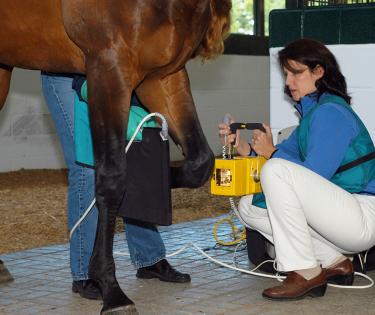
(332, 129)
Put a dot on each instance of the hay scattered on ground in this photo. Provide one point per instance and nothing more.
(33, 208)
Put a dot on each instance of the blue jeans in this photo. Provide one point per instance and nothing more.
(145, 244)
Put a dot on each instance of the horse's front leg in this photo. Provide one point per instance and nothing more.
(171, 96)
(110, 87)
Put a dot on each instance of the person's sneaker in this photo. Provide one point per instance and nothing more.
(164, 272)
(5, 275)
(87, 289)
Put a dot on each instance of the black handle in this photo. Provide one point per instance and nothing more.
(250, 126)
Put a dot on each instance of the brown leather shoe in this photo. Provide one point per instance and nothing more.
(296, 287)
(342, 273)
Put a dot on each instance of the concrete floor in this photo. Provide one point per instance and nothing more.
(43, 284)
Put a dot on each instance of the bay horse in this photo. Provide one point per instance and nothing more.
(121, 46)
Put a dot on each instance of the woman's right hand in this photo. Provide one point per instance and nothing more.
(224, 130)
(243, 148)
(225, 134)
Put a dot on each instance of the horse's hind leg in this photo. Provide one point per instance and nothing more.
(5, 75)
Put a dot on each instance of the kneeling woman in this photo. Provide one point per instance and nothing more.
(316, 207)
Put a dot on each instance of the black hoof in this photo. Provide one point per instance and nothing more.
(122, 310)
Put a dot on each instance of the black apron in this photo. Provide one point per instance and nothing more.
(148, 182)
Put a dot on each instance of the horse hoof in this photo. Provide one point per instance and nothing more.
(122, 310)
(5, 275)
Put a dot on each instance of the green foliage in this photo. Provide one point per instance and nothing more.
(243, 14)
(242, 17)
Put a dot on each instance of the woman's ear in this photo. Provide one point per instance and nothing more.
(318, 72)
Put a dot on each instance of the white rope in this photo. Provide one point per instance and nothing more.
(252, 271)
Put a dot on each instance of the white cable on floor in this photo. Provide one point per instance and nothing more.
(258, 274)
(187, 245)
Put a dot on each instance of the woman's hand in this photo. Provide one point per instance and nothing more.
(228, 138)
(262, 143)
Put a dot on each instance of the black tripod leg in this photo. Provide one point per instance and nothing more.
(256, 250)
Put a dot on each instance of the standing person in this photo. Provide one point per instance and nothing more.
(146, 247)
(316, 205)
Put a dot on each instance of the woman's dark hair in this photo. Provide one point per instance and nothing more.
(312, 54)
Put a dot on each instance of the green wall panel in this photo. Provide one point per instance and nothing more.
(284, 27)
(322, 25)
(332, 25)
(358, 26)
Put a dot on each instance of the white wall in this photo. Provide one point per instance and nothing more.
(357, 63)
(27, 135)
(238, 85)
(234, 84)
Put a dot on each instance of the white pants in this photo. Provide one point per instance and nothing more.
(310, 220)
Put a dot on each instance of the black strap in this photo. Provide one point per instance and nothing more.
(356, 162)
(250, 126)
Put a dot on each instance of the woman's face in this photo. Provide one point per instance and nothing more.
(301, 80)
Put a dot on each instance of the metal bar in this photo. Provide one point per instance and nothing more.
(294, 4)
(258, 17)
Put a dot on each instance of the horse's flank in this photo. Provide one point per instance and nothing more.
(33, 37)
(24, 45)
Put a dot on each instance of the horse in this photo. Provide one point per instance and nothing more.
(121, 46)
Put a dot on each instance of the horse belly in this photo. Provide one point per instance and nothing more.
(33, 37)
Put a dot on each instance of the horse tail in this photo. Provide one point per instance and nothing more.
(212, 44)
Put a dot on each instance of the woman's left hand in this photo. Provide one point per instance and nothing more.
(262, 143)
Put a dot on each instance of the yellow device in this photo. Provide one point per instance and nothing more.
(237, 177)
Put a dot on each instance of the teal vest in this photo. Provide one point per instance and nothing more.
(82, 133)
(353, 180)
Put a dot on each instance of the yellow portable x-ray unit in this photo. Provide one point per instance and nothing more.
(237, 176)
